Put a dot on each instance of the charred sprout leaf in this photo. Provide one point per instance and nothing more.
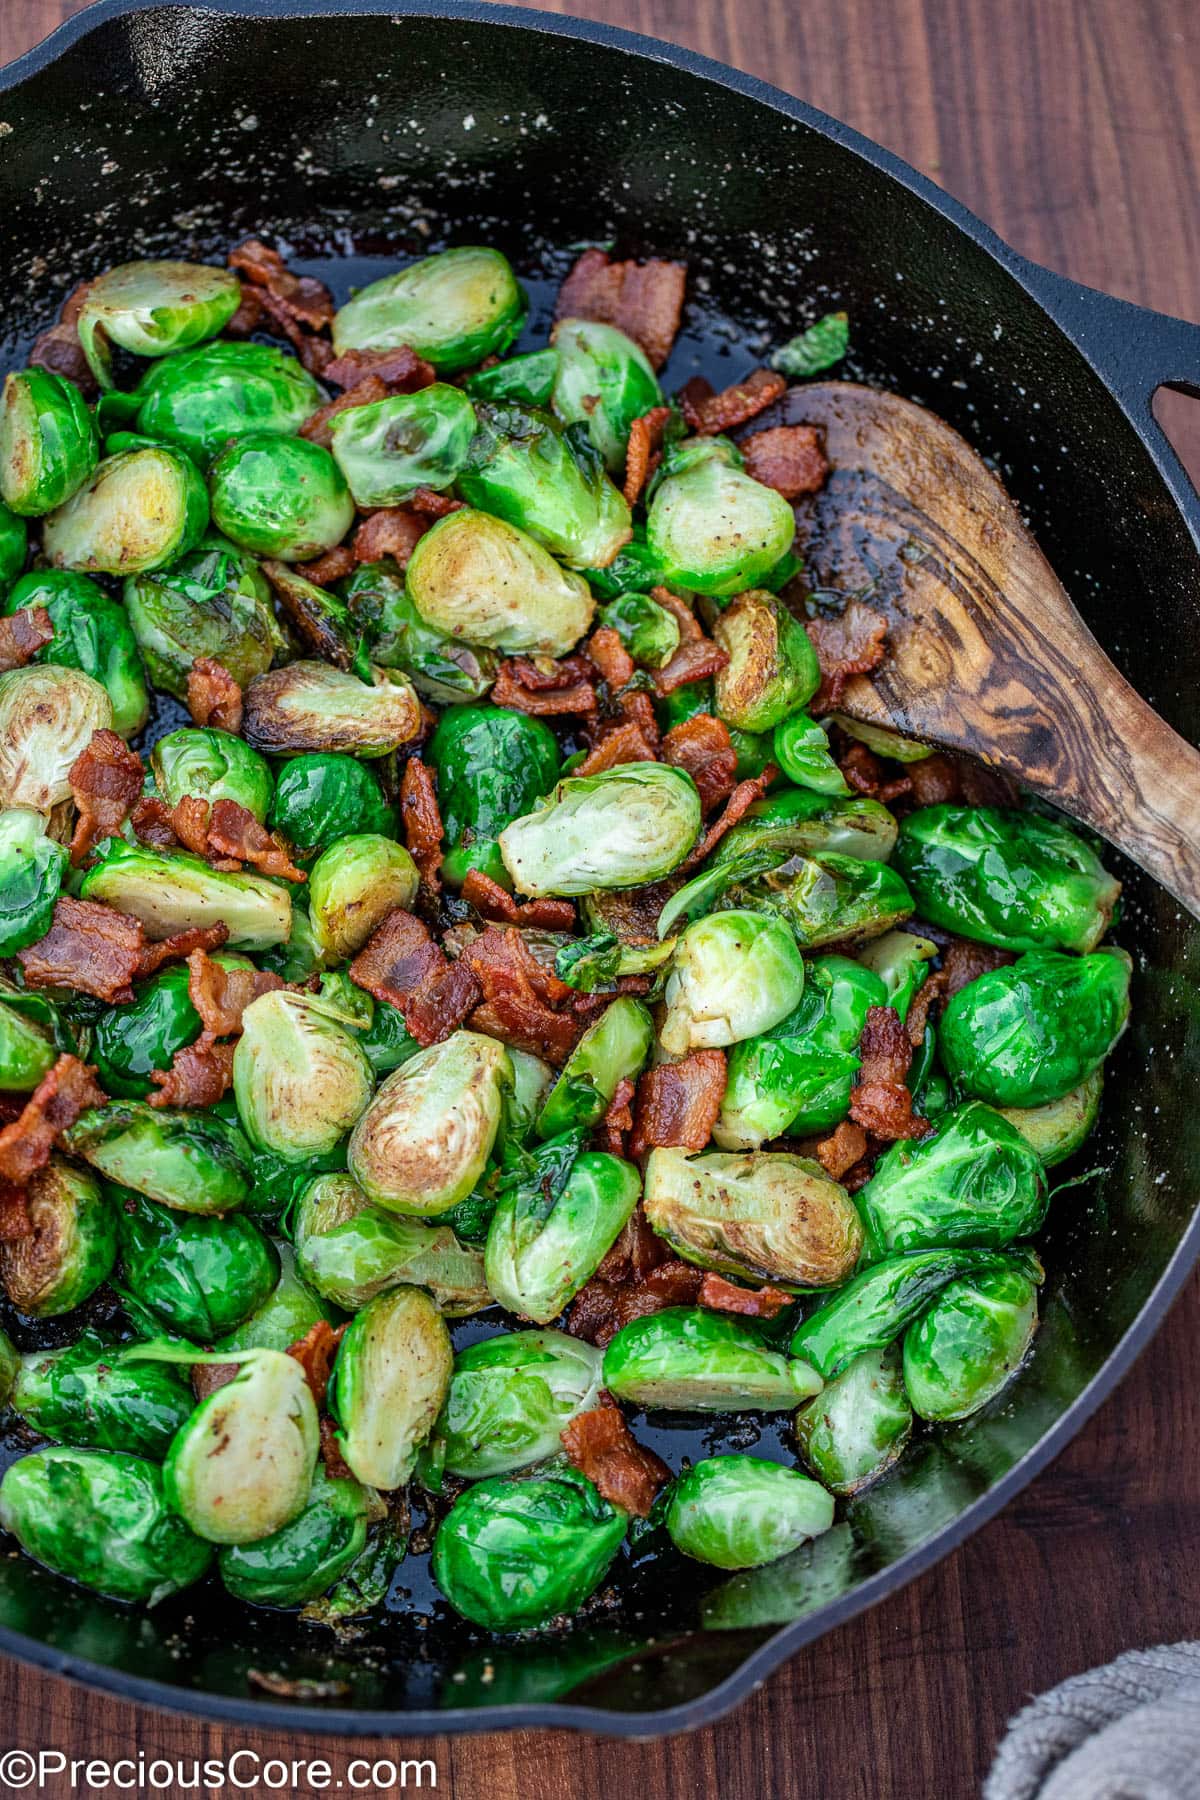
(827, 899)
(648, 631)
(772, 668)
(690, 1360)
(320, 618)
(212, 765)
(138, 510)
(14, 543)
(511, 1396)
(1059, 1128)
(492, 765)
(372, 1252)
(801, 748)
(822, 345)
(390, 448)
(390, 1379)
(320, 796)
(311, 706)
(197, 400)
(970, 1344)
(201, 1276)
(88, 1396)
(798, 820)
(71, 1248)
(92, 633)
(621, 828)
(280, 496)
(47, 717)
(611, 1050)
(212, 602)
(169, 891)
(193, 1161)
(528, 379)
(453, 308)
(554, 1225)
(855, 1430)
(735, 975)
(32, 865)
(304, 1558)
(711, 527)
(442, 668)
(300, 1077)
(48, 442)
(479, 578)
(738, 1512)
(595, 964)
(152, 308)
(352, 888)
(603, 381)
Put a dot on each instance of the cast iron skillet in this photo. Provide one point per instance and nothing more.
(145, 129)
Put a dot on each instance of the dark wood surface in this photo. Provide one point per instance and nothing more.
(1073, 126)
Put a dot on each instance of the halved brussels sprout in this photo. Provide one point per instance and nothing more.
(453, 308)
(212, 602)
(48, 441)
(170, 890)
(92, 633)
(280, 496)
(441, 667)
(553, 1227)
(322, 1205)
(388, 449)
(826, 899)
(476, 577)
(137, 510)
(738, 1512)
(424, 1141)
(101, 1518)
(523, 467)
(798, 820)
(691, 1360)
(611, 1050)
(197, 400)
(772, 667)
(510, 1398)
(152, 308)
(304, 1558)
(604, 381)
(87, 1395)
(300, 1078)
(389, 1382)
(901, 961)
(766, 1216)
(735, 974)
(71, 1249)
(648, 631)
(354, 1261)
(857, 1428)
(47, 717)
(352, 888)
(319, 797)
(621, 828)
(970, 1344)
(311, 706)
(1058, 1129)
(710, 526)
(200, 1275)
(27, 1050)
(595, 964)
(492, 765)
(321, 619)
(800, 745)
(32, 866)
(193, 1161)
(14, 544)
(213, 765)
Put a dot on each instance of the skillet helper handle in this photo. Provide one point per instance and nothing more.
(1135, 349)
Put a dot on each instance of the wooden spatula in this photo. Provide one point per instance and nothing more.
(986, 653)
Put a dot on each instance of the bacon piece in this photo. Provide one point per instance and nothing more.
(764, 1302)
(963, 961)
(106, 782)
(545, 692)
(678, 1103)
(401, 965)
(618, 1119)
(523, 1003)
(880, 1100)
(610, 656)
(316, 428)
(64, 1092)
(422, 821)
(335, 565)
(693, 661)
(638, 1249)
(735, 809)
(233, 831)
(151, 819)
(297, 306)
(709, 413)
(336, 1466)
(392, 531)
(644, 300)
(622, 741)
(840, 1152)
(213, 696)
(931, 991)
(15, 1222)
(602, 1447)
(91, 948)
(22, 634)
(865, 773)
(934, 780)
(499, 907)
(850, 644)
(442, 1004)
(642, 452)
(601, 1308)
(315, 1352)
(199, 1075)
(433, 506)
(703, 748)
(638, 708)
(400, 369)
(221, 995)
(180, 945)
(788, 458)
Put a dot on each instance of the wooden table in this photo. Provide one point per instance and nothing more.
(1073, 126)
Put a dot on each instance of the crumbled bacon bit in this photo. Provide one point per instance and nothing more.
(642, 453)
(601, 1308)
(180, 946)
(564, 687)
(336, 1466)
(764, 1302)
(850, 644)
(523, 1003)
(703, 748)
(400, 369)
(64, 1092)
(22, 634)
(89, 947)
(298, 306)
(234, 832)
(213, 696)
(930, 992)
(151, 820)
(880, 1100)
(620, 741)
(638, 708)
(335, 565)
(617, 1120)
(317, 427)
(393, 531)
(601, 1445)
(788, 458)
(422, 821)
(402, 966)
(695, 660)
(498, 906)
(963, 961)
(934, 780)
(638, 1249)
(315, 1352)
(644, 300)
(199, 1075)
(433, 506)
(678, 1103)
(735, 809)
(106, 782)
(690, 628)
(865, 773)
(15, 1222)
(708, 413)
(221, 995)
(610, 656)
(840, 1152)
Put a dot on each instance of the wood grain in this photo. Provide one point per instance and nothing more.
(1073, 126)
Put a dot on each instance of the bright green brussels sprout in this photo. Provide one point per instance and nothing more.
(610, 1051)
(170, 890)
(595, 964)
(321, 796)
(353, 886)
(130, 1041)
(710, 526)
(492, 765)
(477, 577)
(212, 602)
(975, 1180)
(738, 1512)
(872, 1310)
(311, 706)
(71, 1249)
(524, 468)
(797, 1077)
(304, 1558)
(901, 961)
(88, 1395)
(152, 308)
(618, 829)
(634, 570)
(603, 381)
(553, 1227)
(801, 820)
(800, 745)
(192, 1161)
(528, 379)
(442, 668)
(213, 765)
(32, 866)
(772, 667)
(648, 631)
(373, 1251)
(532, 1081)
(762, 1216)
(424, 1141)
(280, 496)
(300, 1078)
(27, 1050)
(690, 1360)
(389, 1382)
(1058, 1129)
(511, 1396)
(48, 442)
(243, 1465)
(137, 510)
(200, 1275)
(47, 717)
(14, 543)
(1029, 1033)
(516, 1551)
(882, 742)
(285, 1316)
(101, 1518)
(92, 633)
(388, 449)
(970, 1343)
(735, 975)
(857, 1428)
(199, 399)
(1013, 879)
(826, 899)
(10, 1364)
(453, 308)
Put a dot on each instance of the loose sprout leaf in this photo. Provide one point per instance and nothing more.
(822, 345)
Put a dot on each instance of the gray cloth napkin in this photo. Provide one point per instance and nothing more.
(1129, 1731)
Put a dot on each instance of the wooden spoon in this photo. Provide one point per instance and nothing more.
(986, 653)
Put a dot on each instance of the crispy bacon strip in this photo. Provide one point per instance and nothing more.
(642, 452)
(233, 831)
(618, 1119)
(315, 1352)
(644, 300)
(621, 741)
(401, 965)
(703, 748)
(213, 696)
(22, 634)
(222, 995)
(151, 820)
(693, 661)
(64, 1092)
(840, 1152)
(400, 369)
(433, 506)
(335, 565)
(336, 1466)
(90, 948)
(708, 413)
(610, 656)
(15, 1222)
(543, 693)
(850, 644)
(720, 1295)
(298, 306)
(180, 946)
(964, 961)
(316, 428)
(106, 782)
(865, 773)
(392, 531)
(601, 1445)
(422, 821)
(788, 458)
(678, 1103)
(638, 1249)
(600, 1309)
(523, 1003)
(738, 804)
(199, 1075)
(880, 1101)
(499, 907)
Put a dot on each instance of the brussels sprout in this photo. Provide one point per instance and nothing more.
(10, 1364)
(511, 1396)
(48, 442)
(800, 745)
(797, 1077)
(1027, 1034)
(170, 890)
(765, 1216)
(901, 961)
(735, 974)
(1058, 1129)
(524, 468)
(388, 449)
(387, 1042)
(801, 820)
(200, 1275)
(603, 381)
(553, 1227)
(389, 1382)
(516, 1551)
(872, 1310)
(130, 1041)
(197, 400)
(310, 706)
(738, 1512)
(618, 829)
(86, 1394)
(492, 765)
(772, 667)
(212, 602)
(71, 1248)
(691, 1360)
(304, 1558)
(453, 308)
(817, 348)
(242, 1466)
(826, 899)
(92, 633)
(611, 1050)
(152, 308)
(648, 631)
(970, 1344)
(528, 379)
(373, 1251)
(352, 888)
(321, 1205)
(47, 717)
(442, 668)
(32, 865)
(101, 1518)
(595, 964)
(14, 543)
(192, 1161)
(1013, 879)
(320, 797)
(280, 496)
(213, 765)
(27, 1051)
(137, 510)
(300, 1078)
(883, 743)
(634, 570)
(477, 577)
(424, 1141)
(710, 527)
(855, 1430)
(285, 1316)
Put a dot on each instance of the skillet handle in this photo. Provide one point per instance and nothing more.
(1135, 349)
